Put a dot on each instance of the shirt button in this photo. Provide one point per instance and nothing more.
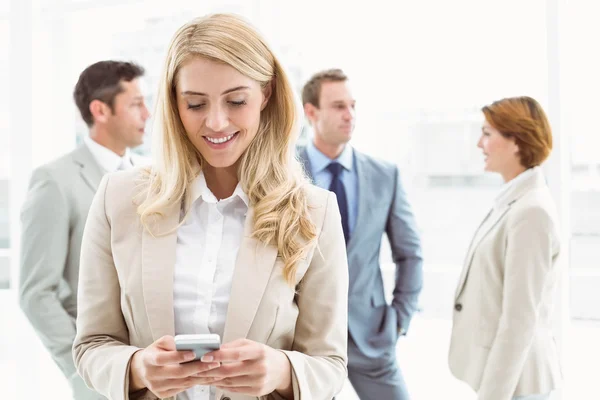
(458, 307)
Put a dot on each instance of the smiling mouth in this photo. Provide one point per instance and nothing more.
(221, 140)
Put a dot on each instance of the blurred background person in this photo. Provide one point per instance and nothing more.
(502, 338)
(110, 101)
(372, 202)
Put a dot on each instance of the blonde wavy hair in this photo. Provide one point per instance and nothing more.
(268, 171)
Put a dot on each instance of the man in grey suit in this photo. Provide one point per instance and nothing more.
(372, 202)
(60, 193)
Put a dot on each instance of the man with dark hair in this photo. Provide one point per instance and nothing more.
(372, 201)
(60, 193)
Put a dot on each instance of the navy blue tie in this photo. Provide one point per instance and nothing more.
(337, 187)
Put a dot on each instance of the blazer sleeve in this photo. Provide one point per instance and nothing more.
(528, 273)
(319, 355)
(44, 251)
(101, 351)
(405, 244)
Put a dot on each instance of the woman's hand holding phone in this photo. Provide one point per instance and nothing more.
(165, 371)
(249, 368)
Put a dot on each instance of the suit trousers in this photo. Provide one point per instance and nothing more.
(375, 378)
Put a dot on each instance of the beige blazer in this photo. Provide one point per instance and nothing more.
(126, 295)
(502, 342)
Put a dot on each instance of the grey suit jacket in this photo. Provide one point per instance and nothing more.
(382, 208)
(52, 220)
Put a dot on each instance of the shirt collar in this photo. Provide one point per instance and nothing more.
(108, 160)
(200, 190)
(320, 161)
(510, 188)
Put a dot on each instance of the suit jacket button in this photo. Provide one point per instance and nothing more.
(458, 307)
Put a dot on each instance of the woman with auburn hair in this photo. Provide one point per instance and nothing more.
(223, 234)
(502, 342)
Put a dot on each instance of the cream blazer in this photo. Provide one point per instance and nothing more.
(126, 295)
(502, 342)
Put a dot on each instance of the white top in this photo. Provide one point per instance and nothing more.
(510, 184)
(108, 160)
(207, 248)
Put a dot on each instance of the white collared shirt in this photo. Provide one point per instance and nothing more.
(506, 188)
(207, 248)
(108, 160)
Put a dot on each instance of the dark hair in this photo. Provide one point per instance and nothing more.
(102, 81)
(311, 92)
(523, 119)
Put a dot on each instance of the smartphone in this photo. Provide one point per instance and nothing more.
(200, 344)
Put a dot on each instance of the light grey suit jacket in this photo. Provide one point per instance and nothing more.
(382, 208)
(53, 217)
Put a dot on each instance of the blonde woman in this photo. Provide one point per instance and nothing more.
(222, 235)
(502, 342)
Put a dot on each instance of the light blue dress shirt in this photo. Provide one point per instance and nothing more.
(322, 177)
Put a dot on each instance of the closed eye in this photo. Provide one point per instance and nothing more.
(194, 106)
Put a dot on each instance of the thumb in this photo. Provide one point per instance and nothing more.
(166, 342)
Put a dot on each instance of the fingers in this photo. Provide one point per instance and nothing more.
(171, 387)
(195, 368)
(168, 371)
(236, 343)
(234, 352)
(163, 352)
(228, 370)
(238, 382)
(247, 390)
(165, 381)
(159, 357)
(181, 371)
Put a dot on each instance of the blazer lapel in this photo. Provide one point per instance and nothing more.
(506, 200)
(158, 264)
(253, 268)
(486, 226)
(90, 171)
